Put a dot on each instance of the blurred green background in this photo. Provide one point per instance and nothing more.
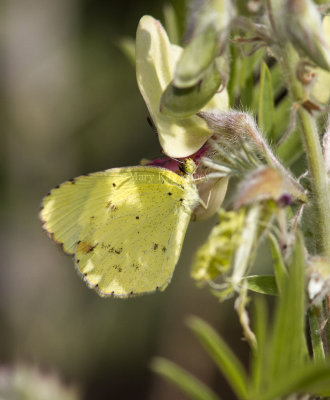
(70, 105)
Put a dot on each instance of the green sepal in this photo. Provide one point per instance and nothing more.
(196, 57)
(182, 103)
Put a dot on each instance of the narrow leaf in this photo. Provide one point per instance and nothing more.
(266, 101)
(312, 379)
(265, 284)
(127, 46)
(282, 112)
(187, 383)
(171, 23)
(225, 359)
(278, 263)
(291, 149)
(249, 89)
(288, 343)
(233, 84)
(259, 356)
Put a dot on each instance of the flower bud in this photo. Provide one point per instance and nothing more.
(156, 58)
(235, 129)
(304, 27)
(263, 184)
(320, 90)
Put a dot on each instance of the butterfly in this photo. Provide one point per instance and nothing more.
(124, 227)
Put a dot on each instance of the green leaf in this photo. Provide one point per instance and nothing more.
(291, 149)
(171, 23)
(281, 112)
(266, 100)
(259, 356)
(225, 359)
(288, 346)
(280, 271)
(246, 95)
(187, 383)
(249, 89)
(311, 378)
(265, 284)
(182, 103)
(233, 83)
(281, 118)
(127, 46)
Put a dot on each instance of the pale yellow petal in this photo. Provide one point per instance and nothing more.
(155, 63)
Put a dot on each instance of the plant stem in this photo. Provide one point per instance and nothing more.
(319, 195)
(316, 339)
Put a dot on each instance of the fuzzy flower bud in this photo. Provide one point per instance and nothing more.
(234, 128)
(263, 184)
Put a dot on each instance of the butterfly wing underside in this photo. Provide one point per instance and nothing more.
(125, 226)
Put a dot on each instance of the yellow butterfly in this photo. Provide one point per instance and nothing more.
(124, 226)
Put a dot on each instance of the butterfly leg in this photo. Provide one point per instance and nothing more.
(204, 204)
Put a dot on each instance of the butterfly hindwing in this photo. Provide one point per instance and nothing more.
(125, 226)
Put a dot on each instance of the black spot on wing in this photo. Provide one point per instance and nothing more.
(137, 217)
(155, 246)
(111, 206)
(164, 249)
(136, 266)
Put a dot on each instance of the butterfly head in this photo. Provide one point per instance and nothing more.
(188, 166)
